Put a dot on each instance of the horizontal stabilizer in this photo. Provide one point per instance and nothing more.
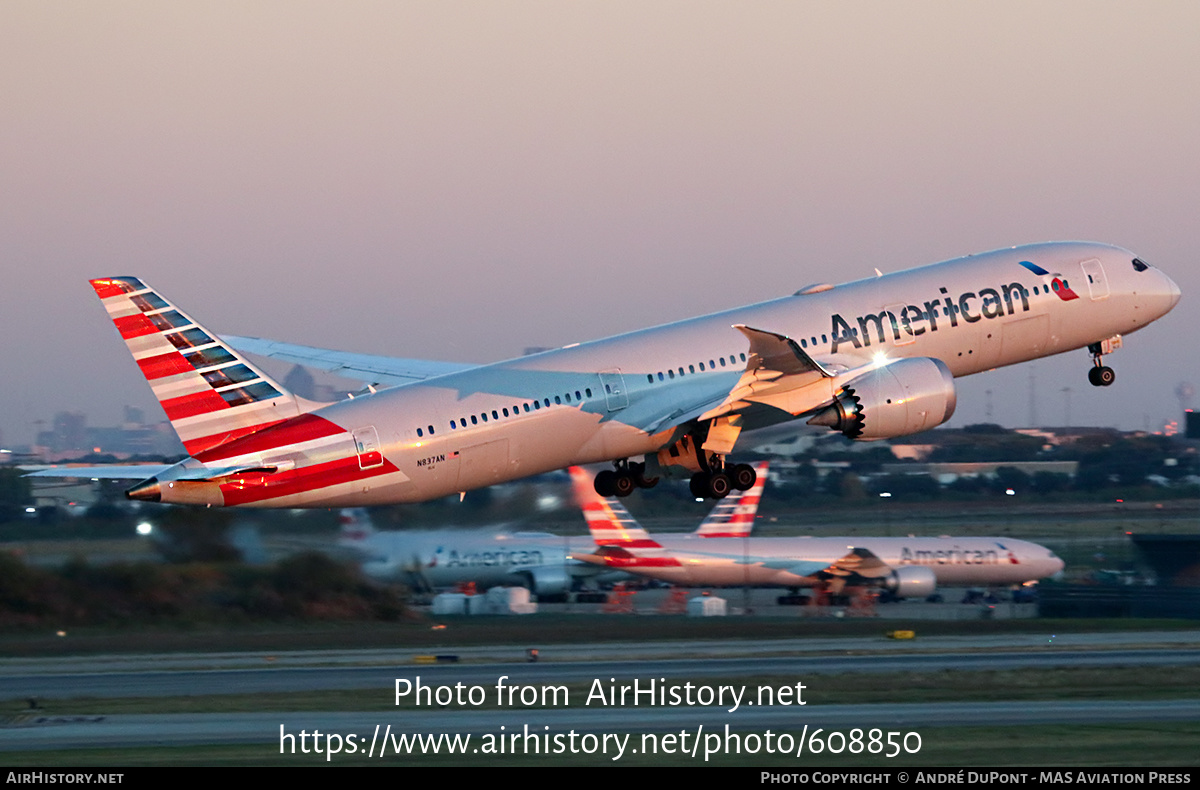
(103, 472)
(368, 368)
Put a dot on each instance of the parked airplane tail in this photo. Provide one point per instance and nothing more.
(355, 527)
(607, 519)
(733, 517)
(210, 393)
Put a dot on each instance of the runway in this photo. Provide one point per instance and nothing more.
(266, 728)
(281, 679)
(712, 664)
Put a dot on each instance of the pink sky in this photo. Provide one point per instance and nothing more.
(462, 180)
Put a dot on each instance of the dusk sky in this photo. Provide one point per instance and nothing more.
(460, 180)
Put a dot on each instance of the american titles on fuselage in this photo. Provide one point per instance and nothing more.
(993, 304)
(954, 556)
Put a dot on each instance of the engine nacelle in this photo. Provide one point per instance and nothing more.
(898, 399)
(549, 581)
(911, 582)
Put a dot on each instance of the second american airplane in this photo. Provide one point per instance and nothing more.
(873, 359)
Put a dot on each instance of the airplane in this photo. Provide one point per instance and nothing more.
(873, 359)
(905, 567)
(487, 557)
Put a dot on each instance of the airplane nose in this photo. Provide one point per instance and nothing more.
(1173, 292)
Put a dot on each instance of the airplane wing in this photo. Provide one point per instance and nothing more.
(779, 374)
(371, 368)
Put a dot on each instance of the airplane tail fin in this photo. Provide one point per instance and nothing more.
(210, 393)
(733, 517)
(607, 518)
(356, 527)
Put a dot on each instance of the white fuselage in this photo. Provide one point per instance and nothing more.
(445, 559)
(622, 397)
(792, 562)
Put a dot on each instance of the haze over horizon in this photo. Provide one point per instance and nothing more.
(462, 181)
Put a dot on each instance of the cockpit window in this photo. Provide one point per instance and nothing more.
(1140, 265)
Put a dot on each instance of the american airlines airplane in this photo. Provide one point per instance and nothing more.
(873, 359)
(545, 563)
(907, 567)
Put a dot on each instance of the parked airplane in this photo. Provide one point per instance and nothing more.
(545, 563)
(874, 359)
(907, 567)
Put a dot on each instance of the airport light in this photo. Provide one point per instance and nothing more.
(145, 528)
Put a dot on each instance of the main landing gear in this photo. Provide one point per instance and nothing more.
(1100, 375)
(718, 482)
(623, 479)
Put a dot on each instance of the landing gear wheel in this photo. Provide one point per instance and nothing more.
(639, 476)
(1101, 376)
(623, 485)
(719, 485)
(606, 483)
(699, 485)
(743, 476)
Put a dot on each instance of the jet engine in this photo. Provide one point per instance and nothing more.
(549, 582)
(911, 582)
(901, 398)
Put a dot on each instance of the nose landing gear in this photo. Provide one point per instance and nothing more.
(1101, 375)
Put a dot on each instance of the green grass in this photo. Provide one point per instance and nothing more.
(521, 632)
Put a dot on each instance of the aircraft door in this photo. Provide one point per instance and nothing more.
(366, 444)
(1093, 270)
(614, 389)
